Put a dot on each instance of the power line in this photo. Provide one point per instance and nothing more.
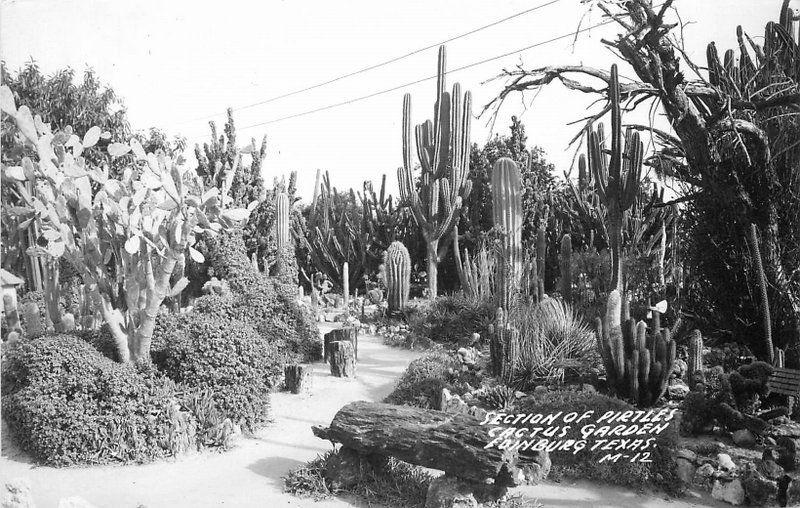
(381, 64)
(404, 85)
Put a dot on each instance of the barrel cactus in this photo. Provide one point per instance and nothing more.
(507, 216)
(398, 276)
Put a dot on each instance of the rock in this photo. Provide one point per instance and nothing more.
(725, 462)
(679, 369)
(759, 489)
(541, 389)
(785, 429)
(588, 388)
(687, 454)
(731, 492)
(17, 494)
(792, 491)
(449, 492)
(744, 438)
(704, 474)
(478, 412)
(685, 471)
(771, 454)
(74, 502)
(468, 356)
(451, 403)
(787, 453)
(769, 468)
(678, 390)
(535, 466)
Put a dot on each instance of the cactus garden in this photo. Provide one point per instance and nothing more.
(479, 321)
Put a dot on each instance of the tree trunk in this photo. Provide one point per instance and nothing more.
(453, 443)
(433, 269)
(297, 378)
(342, 359)
(157, 289)
(349, 333)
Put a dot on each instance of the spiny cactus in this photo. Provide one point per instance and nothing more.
(695, 356)
(566, 268)
(507, 216)
(346, 285)
(617, 180)
(12, 317)
(443, 153)
(282, 229)
(504, 347)
(637, 366)
(779, 358)
(398, 276)
(541, 251)
(499, 398)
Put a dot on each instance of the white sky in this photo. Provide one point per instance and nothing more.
(176, 60)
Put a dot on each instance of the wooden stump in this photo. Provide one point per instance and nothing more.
(297, 378)
(453, 443)
(349, 333)
(342, 358)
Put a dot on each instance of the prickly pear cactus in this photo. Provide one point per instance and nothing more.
(398, 276)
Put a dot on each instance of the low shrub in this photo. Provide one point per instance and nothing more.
(396, 484)
(102, 340)
(226, 357)
(68, 405)
(422, 383)
(453, 317)
(584, 464)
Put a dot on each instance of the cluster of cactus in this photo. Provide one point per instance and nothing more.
(477, 273)
(332, 237)
(507, 217)
(637, 365)
(435, 198)
(397, 263)
(498, 397)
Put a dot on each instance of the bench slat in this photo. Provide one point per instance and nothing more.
(786, 375)
(785, 372)
(785, 385)
(783, 382)
(785, 391)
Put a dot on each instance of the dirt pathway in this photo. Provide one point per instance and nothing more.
(250, 475)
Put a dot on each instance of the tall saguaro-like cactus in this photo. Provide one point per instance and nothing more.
(617, 178)
(443, 153)
(507, 216)
(397, 265)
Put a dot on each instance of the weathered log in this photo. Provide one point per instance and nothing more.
(453, 443)
(297, 378)
(342, 358)
(349, 333)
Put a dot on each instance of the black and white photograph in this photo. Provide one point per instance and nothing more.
(418, 254)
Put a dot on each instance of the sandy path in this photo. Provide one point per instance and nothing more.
(250, 474)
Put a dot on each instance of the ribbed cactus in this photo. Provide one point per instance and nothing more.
(779, 358)
(566, 268)
(761, 278)
(637, 367)
(398, 276)
(281, 230)
(695, 356)
(346, 285)
(504, 347)
(443, 153)
(617, 179)
(541, 251)
(12, 317)
(507, 217)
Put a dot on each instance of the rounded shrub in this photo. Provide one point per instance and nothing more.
(68, 404)
(422, 383)
(227, 358)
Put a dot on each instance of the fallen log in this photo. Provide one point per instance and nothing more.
(349, 333)
(453, 443)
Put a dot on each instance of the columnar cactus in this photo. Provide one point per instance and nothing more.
(779, 358)
(507, 216)
(443, 153)
(541, 251)
(504, 347)
(398, 276)
(566, 268)
(695, 355)
(617, 180)
(637, 366)
(346, 285)
(12, 317)
(282, 229)
(761, 278)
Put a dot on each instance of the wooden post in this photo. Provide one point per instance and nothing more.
(297, 378)
(342, 359)
(349, 333)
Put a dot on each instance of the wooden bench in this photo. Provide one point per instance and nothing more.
(786, 382)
